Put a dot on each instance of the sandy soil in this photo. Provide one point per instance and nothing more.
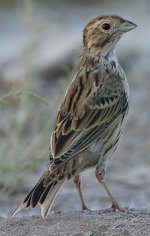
(130, 222)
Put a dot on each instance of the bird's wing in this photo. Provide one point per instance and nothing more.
(88, 108)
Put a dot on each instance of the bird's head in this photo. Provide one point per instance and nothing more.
(101, 34)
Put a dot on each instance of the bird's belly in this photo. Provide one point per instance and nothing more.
(112, 138)
(99, 152)
(105, 146)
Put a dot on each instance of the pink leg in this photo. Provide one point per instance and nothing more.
(115, 205)
(77, 182)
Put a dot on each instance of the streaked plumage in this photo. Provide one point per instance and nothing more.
(91, 118)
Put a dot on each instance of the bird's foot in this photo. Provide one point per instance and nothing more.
(85, 208)
(115, 207)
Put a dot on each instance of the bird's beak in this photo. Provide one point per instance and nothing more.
(127, 26)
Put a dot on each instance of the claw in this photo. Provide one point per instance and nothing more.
(85, 208)
(116, 207)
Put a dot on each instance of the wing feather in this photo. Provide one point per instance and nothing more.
(82, 120)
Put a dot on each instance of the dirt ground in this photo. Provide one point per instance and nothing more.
(130, 222)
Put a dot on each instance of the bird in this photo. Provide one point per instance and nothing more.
(91, 117)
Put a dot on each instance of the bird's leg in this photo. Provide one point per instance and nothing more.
(115, 205)
(77, 182)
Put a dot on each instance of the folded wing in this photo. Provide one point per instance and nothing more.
(84, 115)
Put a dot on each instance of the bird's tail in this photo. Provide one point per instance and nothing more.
(44, 195)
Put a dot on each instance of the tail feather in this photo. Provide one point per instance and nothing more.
(27, 200)
(36, 195)
(46, 191)
(47, 203)
(18, 208)
(44, 195)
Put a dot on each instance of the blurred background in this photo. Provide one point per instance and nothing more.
(40, 42)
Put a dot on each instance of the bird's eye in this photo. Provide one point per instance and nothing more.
(106, 26)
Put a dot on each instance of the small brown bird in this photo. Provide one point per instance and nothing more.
(91, 118)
